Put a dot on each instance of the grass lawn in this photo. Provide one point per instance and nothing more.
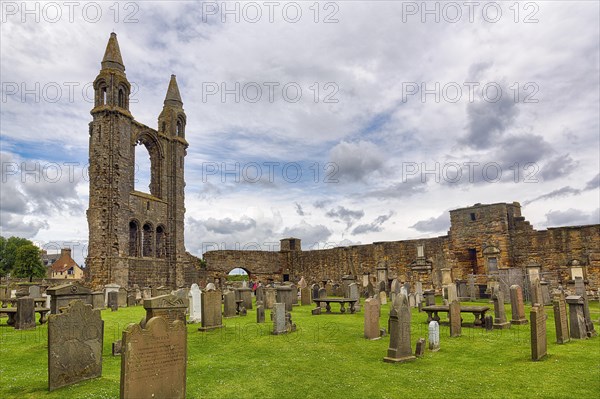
(328, 358)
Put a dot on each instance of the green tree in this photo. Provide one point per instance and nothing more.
(28, 262)
(8, 253)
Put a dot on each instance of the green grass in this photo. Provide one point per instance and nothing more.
(327, 358)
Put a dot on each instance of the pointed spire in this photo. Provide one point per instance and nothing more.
(173, 97)
(112, 55)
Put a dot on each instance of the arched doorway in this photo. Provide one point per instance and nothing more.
(238, 274)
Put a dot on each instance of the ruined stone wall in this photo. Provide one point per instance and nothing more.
(264, 265)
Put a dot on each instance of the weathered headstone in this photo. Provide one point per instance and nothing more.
(471, 288)
(131, 301)
(536, 292)
(499, 312)
(455, 319)
(315, 290)
(576, 317)
(113, 300)
(383, 297)
(195, 301)
(545, 288)
(516, 305)
(399, 349)
(580, 290)
(429, 297)
(412, 300)
(370, 289)
(270, 297)
(279, 322)
(381, 286)
(260, 293)
(169, 306)
(117, 348)
(285, 295)
(229, 304)
(305, 298)
(211, 310)
(420, 348)
(353, 293)
(451, 292)
(372, 311)
(323, 294)
(560, 319)
(35, 291)
(98, 300)
(25, 317)
(260, 314)
(210, 287)
(394, 289)
(122, 297)
(245, 294)
(488, 322)
(110, 288)
(153, 363)
(538, 332)
(63, 294)
(419, 291)
(75, 339)
(434, 336)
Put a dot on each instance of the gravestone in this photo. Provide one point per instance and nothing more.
(35, 291)
(560, 319)
(279, 322)
(122, 297)
(499, 312)
(381, 286)
(260, 313)
(245, 294)
(153, 363)
(394, 289)
(576, 317)
(289, 325)
(169, 306)
(399, 349)
(420, 348)
(370, 290)
(63, 294)
(329, 288)
(229, 304)
(580, 290)
(383, 297)
(305, 296)
(98, 300)
(455, 320)
(451, 294)
(210, 287)
(315, 290)
(146, 293)
(372, 311)
(295, 293)
(488, 322)
(117, 348)
(285, 295)
(131, 300)
(25, 316)
(429, 297)
(516, 305)
(545, 288)
(538, 332)
(195, 301)
(110, 288)
(113, 300)
(211, 310)
(419, 292)
(270, 297)
(323, 294)
(536, 292)
(471, 288)
(412, 300)
(75, 339)
(434, 336)
(260, 293)
(354, 294)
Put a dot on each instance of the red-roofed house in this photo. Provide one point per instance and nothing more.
(65, 266)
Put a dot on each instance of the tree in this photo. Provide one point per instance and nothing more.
(8, 253)
(28, 262)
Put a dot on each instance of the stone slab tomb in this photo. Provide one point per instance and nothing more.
(75, 339)
(153, 362)
(171, 307)
(61, 295)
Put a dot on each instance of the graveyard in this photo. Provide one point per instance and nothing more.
(327, 356)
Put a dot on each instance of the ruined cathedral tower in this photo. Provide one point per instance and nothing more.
(135, 237)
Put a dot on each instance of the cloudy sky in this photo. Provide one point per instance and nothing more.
(336, 122)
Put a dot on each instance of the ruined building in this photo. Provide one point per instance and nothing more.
(483, 240)
(135, 237)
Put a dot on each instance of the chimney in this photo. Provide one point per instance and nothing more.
(65, 252)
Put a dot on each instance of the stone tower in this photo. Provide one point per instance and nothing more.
(135, 237)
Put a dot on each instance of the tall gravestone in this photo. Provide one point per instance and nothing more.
(315, 290)
(211, 310)
(195, 300)
(323, 294)
(499, 311)
(229, 304)
(245, 294)
(113, 300)
(279, 322)
(372, 311)
(75, 339)
(98, 300)
(517, 306)
(285, 295)
(153, 362)
(25, 317)
(270, 297)
(122, 297)
(560, 319)
(383, 297)
(434, 336)
(580, 290)
(576, 317)
(305, 298)
(169, 306)
(400, 346)
(260, 313)
(538, 332)
(353, 293)
(455, 319)
(394, 289)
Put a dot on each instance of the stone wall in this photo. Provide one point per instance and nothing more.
(480, 237)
